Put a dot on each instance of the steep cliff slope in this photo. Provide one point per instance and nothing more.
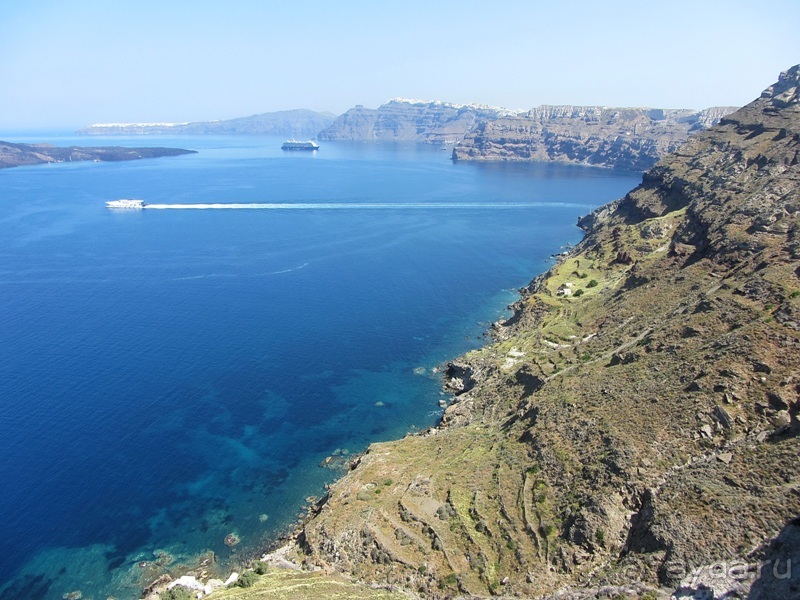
(402, 120)
(628, 138)
(637, 417)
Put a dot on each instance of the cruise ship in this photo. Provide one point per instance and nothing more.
(295, 145)
(126, 203)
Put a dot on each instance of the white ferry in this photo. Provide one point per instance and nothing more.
(125, 203)
(295, 145)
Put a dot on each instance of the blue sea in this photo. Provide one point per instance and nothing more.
(170, 377)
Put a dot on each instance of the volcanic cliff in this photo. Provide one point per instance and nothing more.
(635, 421)
(624, 138)
(403, 120)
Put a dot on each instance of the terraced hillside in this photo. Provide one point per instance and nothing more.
(635, 419)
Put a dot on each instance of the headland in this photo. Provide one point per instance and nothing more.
(17, 155)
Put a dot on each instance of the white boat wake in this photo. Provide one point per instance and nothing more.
(219, 275)
(361, 205)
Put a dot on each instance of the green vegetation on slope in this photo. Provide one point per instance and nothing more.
(284, 584)
(639, 429)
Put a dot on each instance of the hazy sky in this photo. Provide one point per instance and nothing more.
(68, 63)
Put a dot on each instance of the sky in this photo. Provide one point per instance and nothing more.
(70, 63)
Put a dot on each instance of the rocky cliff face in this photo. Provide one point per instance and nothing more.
(626, 138)
(634, 426)
(288, 123)
(16, 155)
(356, 124)
(403, 120)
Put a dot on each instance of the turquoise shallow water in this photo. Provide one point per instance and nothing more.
(168, 377)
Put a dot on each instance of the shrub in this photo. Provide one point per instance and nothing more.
(178, 592)
(261, 568)
(592, 283)
(578, 293)
(450, 579)
(600, 536)
(246, 579)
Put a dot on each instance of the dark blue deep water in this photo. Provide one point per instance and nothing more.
(168, 377)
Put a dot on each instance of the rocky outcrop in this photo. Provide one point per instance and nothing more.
(16, 155)
(356, 124)
(403, 120)
(778, 573)
(298, 123)
(624, 138)
(642, 435)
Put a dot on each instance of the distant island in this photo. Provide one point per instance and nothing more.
(600, 136)
(17, 155)
(299, 123)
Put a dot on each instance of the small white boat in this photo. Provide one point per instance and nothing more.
(125, 203)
